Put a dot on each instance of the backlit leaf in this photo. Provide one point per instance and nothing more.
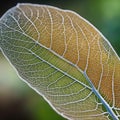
(65, 59)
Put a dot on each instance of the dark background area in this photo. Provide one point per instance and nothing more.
(17, 100)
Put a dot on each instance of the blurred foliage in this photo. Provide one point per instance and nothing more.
(17, 100)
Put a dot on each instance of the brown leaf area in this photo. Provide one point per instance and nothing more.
(74, 39)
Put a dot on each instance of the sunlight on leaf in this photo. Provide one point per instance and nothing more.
(63, 58)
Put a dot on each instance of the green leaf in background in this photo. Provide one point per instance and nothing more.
(63, 58)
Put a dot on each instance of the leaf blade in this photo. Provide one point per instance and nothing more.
(67, 70)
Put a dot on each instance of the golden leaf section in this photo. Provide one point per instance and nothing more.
(73, 38)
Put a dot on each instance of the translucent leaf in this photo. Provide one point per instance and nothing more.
(63, 58)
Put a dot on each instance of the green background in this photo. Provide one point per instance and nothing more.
(17, 100)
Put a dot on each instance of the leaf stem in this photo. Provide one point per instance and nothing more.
(107, 106)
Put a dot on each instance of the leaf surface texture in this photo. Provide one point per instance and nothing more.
(65, 59)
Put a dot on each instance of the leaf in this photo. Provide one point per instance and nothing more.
(65, 59)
